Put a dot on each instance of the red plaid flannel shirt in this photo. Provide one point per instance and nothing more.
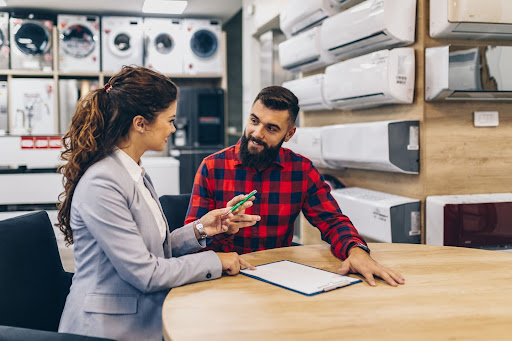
(289, 185)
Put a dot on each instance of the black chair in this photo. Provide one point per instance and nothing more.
(33, 285)
(175, 208)
(8, 333)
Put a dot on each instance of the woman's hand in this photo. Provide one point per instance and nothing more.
(222, 220)
(238, 219)
(232, 262)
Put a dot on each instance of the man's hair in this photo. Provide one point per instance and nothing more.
(279, 98)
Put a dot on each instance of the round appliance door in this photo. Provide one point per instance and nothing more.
(78, 41)
(204, 43)
(121, 44)
(32, 38)
(164, 43)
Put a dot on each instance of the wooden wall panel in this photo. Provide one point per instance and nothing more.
(455, 156)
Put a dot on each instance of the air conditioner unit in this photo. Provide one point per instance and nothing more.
(299, 15)
(468, 73)
(303, 52)
(391, 146)
(381, 217)
(477, 220)
(475, 19)
(309, 91)
(382, 77)
(307, 142)
(370, 26)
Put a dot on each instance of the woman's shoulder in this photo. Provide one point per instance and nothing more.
(106, 172)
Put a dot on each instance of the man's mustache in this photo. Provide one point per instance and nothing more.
(258, 141)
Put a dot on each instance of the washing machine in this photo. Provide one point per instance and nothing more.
(32, 107)
(4, 40)
(121, 42)
(79, 43)
(165, 45)
(203, 54)
(31, 42)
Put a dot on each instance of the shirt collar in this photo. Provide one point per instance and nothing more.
(135, 170)
(280, 159)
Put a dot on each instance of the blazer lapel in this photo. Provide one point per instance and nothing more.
(149, 185)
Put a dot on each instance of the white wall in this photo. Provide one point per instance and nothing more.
(256, 14)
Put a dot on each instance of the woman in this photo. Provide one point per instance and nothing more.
(126, 260)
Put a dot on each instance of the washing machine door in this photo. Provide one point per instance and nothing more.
(121, 44)
(204, 43)
(32, 38)
(164, 43)
(78, 41)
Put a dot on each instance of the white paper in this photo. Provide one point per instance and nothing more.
(299, 277)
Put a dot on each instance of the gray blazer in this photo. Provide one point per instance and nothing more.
(122, 270)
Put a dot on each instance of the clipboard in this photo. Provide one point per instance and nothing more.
(300, 278)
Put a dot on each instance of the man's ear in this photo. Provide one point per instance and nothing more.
(139, 123)
(290, 133)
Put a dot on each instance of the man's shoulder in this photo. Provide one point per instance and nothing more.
(226, 153)
(291, 156)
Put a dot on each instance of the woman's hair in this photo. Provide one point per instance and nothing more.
(101, 119)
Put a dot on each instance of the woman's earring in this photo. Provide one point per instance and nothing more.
(141, 131)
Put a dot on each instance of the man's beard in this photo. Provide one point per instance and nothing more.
(259, 160)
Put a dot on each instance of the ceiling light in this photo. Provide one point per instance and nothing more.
(164, 6)
(2, 3)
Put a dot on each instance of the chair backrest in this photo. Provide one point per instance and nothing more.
(33, 284)
(175, 208)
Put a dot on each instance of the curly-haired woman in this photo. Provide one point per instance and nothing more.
(126, 259)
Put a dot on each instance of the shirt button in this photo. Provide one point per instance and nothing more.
(208, 275)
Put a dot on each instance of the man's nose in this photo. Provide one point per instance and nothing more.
(258, 132)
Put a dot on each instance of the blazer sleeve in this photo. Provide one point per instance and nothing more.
(104, 210)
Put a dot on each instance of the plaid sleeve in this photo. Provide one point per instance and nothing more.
(202, 201)
(322, 211)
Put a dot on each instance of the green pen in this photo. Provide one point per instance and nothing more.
(241, 202)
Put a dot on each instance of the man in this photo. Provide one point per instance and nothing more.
(286, 183)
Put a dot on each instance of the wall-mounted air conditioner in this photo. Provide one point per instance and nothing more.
(468, 73)
(391, 146)
(303, 53)
(378, 78)
(381, 217)
(370, 26)
(474, 19)
(477, 220)
(307, 142)
(309, 91)
(299, 15)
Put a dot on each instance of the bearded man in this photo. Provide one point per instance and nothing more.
(287, 183)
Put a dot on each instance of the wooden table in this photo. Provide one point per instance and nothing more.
(450, 294)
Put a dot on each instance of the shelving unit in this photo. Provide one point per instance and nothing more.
(200, 80)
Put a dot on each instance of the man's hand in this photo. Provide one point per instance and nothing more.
(359, 261)
(238, 219)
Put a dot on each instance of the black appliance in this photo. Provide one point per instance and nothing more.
(199, 130)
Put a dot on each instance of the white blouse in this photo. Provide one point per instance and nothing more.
(137, 172)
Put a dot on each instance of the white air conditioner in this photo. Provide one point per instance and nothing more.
(468, 73)
(476, 19)
(344, 4)
(391, 146)
(299, 15)
(473, 220)
(381, 217)
(370, 26)
(303, 52)
(382, 77)
(309, 91)
(307, 142)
